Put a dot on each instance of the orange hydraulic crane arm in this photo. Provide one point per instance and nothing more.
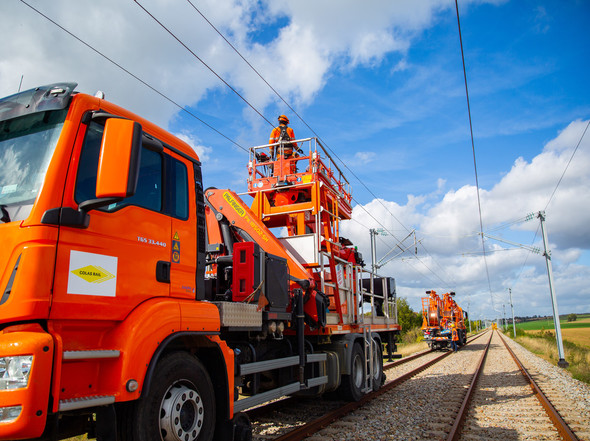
(227, 204)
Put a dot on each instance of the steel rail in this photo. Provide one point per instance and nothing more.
(562, 427)
(323, 421)
(406, 359)
(258, 411)
(263, 409)
(421, 354)
(462, 414)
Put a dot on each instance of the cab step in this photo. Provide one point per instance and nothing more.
(85, 402)
(92, 354)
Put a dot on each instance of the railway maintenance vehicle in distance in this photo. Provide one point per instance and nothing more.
(438, 318)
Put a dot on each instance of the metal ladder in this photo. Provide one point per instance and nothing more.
(369, 359)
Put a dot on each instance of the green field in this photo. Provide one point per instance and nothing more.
(577, 332)
(583, 321)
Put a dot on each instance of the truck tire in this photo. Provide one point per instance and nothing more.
(180, 404)
(351, 388)
(378, 376)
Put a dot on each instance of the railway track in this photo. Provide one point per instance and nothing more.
(479, 393)
(573, 407)
(504, 402)
(295, 418)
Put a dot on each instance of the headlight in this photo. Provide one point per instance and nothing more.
(14, 371)
(8, 414)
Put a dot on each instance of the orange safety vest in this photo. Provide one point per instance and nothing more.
(455, 335)
(275, 136)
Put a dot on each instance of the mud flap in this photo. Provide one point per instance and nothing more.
(238, 428)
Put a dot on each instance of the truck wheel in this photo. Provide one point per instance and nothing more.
(377, 365)
(180, 405)
(351, 387)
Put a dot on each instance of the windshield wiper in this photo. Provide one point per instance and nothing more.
(5, 216)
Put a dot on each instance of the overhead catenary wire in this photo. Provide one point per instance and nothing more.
(321, 140)
(152, 87)
(411, 263)
(128, 72)
(229, 86)
(550, 199)
(568, 164)
(474, 155)
(526, 258)
(202, 62)
(292, 109)
(506, 224)
(444, 282)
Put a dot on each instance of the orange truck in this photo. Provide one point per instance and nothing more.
(137, 305)
(439, 317)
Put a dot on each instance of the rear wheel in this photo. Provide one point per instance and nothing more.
(378, 376)
(351, 388)
(180, 404)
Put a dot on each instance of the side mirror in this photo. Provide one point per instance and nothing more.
(117, 173)
(118, 164)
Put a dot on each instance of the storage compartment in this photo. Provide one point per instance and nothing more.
(246, 272)
(256, 272)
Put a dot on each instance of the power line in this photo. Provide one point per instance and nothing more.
(246, 61)
(444, 282)
(568, 164)
(286, 103)
(295, 112)
(202, 62)
(438, 264)
(473, 150)
(161, 93)
(506, 224)
(527, 257)
(313, 131)
(88, 45)
(237, 93)
(413, 267)
(550, 198)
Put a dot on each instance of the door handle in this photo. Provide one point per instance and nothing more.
(163, 271)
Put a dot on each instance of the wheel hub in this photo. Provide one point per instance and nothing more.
(377, 364)
(357, 371)
(181, 414)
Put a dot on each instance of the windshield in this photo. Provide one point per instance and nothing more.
(26, 146)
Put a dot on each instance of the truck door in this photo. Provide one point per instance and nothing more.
(180, 189)
(121, 259)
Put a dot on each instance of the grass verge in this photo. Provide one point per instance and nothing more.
(543, 344)
(411, 342)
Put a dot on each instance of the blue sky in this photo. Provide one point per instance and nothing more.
(382, 84)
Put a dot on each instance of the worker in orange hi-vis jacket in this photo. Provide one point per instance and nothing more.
(282, 133)
(454, 338)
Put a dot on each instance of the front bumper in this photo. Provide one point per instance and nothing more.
(28, 421)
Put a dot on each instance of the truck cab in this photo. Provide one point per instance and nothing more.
(100, 262)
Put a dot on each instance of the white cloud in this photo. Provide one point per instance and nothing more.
(365, 157)
(452, 254)
(202, 151)
(297, 61)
